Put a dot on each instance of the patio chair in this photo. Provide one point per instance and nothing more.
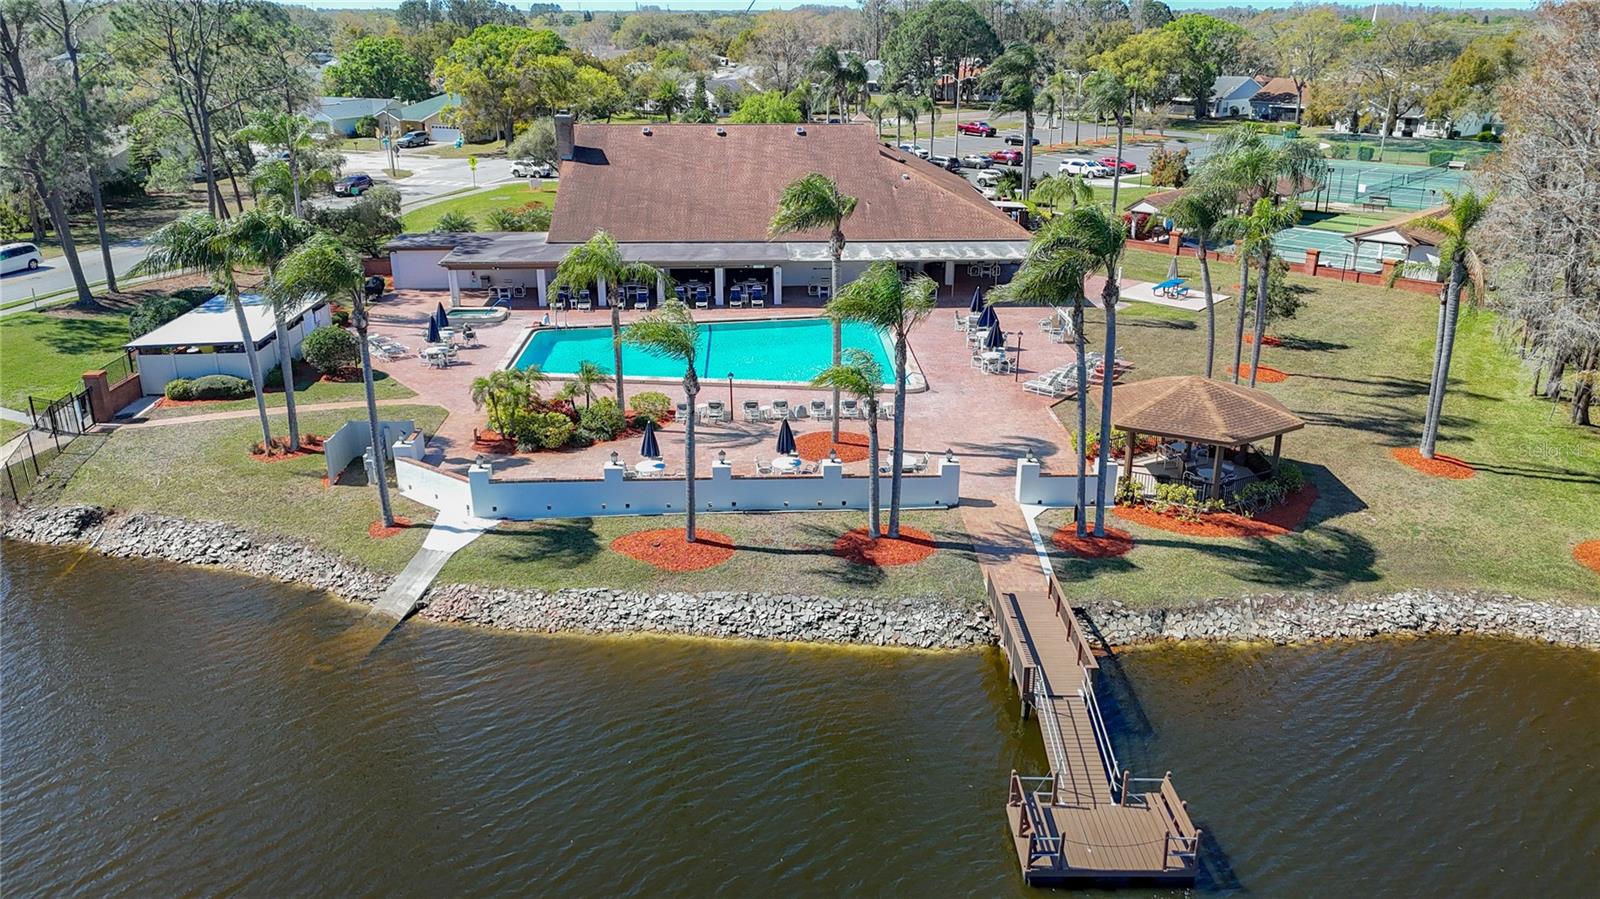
(701, 302)
(808, 468)
(715, 411)
(763, 467)
(752, 411)
(819, 410)
(1052, 384)
(758, 301)
(758, 294)
(683, 411)
(585, 301)
(780, 409)
(681, 292)
(849, 409)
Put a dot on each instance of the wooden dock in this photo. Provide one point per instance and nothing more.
(1087, 821)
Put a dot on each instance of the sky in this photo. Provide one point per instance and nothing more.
(740, 5)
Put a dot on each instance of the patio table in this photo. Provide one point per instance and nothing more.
(650, 466)
(786, 464)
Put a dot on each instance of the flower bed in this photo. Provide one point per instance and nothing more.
(377, 531)
(1282, 519)
(1588, 555)
(669, 550)
(1440, 466)
(912, 546)
(814, 446)
(278, 450)
(1266, 340)
(1265, 374)
(1114, 543)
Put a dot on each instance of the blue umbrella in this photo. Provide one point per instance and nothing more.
(440, 318)
(433, 330)
(996, 338)
(785, 440)
(648, 447)
(987, 317)
(977, 300)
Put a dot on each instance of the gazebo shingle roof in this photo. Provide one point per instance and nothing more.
(1190, 407)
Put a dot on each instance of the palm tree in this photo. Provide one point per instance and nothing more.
(322, 266)
(853, 81)
(1201, 212)
(1463, 212)
(671, 332)
(832, 72)
(1052, 274)
(599, 260)
(1069, 189)
(932, 109)
(293, 135)
(861, 377)
(267, 237)
(200, 242)
(1016, 73)
(903, 105)
(589, 376)
(881, 299)
(1107, 96)
(1259, 227)
(505, 391)
(808, 204)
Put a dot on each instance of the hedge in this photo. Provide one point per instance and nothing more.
(209, 387)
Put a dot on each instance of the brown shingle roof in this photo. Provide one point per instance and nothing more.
(1161, 199)
(1190, 407)
(1416, 229)
(686, 183)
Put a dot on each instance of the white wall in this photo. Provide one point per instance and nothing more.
(156, 370)
(432, 486)
(351, 441)
(1035, 488)
(418, 269)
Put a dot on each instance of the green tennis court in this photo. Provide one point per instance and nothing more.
(1334, 251)
(1394, 186)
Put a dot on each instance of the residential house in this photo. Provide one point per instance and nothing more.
(1231, 95)
(340, 114)
(1414, 122)
(1276, 100)
(431, 115)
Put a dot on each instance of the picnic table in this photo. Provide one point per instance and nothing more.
(1170, 288)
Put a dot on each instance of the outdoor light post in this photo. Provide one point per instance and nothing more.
(730, 396)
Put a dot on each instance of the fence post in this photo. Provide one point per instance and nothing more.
(9, 480)
(32, 455)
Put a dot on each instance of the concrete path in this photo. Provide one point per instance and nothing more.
(450, 532)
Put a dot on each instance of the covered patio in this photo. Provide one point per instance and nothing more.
(1204, 433)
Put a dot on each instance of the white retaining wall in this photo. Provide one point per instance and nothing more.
(350, 441)
(1035, 488)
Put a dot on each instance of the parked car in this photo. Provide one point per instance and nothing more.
(976, 161)
(14, 257)
(916, 150)
(948, 163)
(528, 168)
(414, 139)
(981, 129)
(1007, 157)
(1015, 140)
(1087, 168)
(988, 178)
(1111, 163)
(352, 185)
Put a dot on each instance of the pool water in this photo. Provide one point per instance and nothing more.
(788, 350)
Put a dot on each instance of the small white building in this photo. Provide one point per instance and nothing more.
(206, 341)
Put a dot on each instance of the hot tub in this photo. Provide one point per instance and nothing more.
(477, 315)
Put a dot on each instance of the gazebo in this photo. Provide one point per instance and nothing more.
(1199, 411)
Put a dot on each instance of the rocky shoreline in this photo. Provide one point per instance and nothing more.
(932, 622)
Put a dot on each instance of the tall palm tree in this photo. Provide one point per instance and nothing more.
(861, 377)
(1201, 212)
(267, 237)
(291, 134)
(200, 242)
(1463, 212)
(322, 266)
(1015, 73)
(1052, 274)
(671, 332)
(932, 109)
(597, 260)
(1107, 96)
(810, 203)
(853, 82)
(881, 299)
(1259, 228)
(897, 104)
(878, 110)
(1055, 190)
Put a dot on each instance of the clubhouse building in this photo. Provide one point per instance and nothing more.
(695, 201)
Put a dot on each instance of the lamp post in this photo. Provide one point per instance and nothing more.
(730, 396)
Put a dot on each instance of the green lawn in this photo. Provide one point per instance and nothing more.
(479, 204)
(309, 388)
(45, 354)
(10, 429)
(495, 147)
(203, 471)
(1359, 359)
(791, 552)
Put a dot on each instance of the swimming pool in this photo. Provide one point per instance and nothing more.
(776, 350)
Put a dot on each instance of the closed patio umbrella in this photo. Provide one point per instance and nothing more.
(648, 447)
(439, 316)
(987, 317)
(433, 330)
(977, 300)
(996, 338)
(785, 440)
(1172, 268)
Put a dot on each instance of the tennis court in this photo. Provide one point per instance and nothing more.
(1333, 250)
(1396, 186)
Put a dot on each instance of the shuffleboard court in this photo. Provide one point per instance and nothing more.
(1334, 251)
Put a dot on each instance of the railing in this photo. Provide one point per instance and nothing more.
(1022, 668)
(1086, 659)
(1108, 756)
(121, 368)
(1026, 793)
(1050, 728)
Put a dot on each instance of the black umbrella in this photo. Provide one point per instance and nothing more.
(648, 447)
(785, 440)
(440, 318)
(977, 300)
(987, 317)
(996, 338)
(433, 330)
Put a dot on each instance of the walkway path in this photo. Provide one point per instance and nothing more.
(451, 531)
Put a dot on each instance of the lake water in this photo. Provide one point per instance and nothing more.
(170, 731)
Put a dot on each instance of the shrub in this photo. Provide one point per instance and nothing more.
(1339, 150)
(527, 217)
(341, 318)
(1440, 157)
(178, 389)
(653, 405)
(454, 221)
(1487, 136)
(366, 126)
(1365, 152)
(602, 420)
(209, 387)
(1128, 493)
(330, 349)
(154, 312)
(534, 429)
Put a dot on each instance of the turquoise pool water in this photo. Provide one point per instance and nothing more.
(787, 349)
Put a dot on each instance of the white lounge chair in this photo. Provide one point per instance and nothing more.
(1053, 384)
(819, 410)
(752, 411)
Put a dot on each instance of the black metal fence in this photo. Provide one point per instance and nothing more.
(122, 367)
(67, 414)
(57, 426)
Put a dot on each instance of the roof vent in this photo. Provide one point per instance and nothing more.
(721, 131)
(905, 176)
(647, 131)
(800, 131)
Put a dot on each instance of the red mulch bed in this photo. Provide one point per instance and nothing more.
(1440, 466)
(1145, 445)
(1266, 340)
(377, 531)
(1265, 374)
(487, 441)
(913, 546)
(310, 445)
(1275, 523)
(668, 550)
(814, 446)
(1114, 543)
(1588, 555)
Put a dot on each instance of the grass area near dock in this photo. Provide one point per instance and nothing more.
(45, 354)
(1359, 360)
(203, 471)
(477, 205)
(780, 553)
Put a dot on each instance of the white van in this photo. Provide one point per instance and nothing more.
(14, 257)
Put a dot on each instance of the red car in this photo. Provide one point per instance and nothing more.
(1111, 163)
(981, 129)
(1007, 157)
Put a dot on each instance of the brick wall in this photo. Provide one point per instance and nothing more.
(106, 398)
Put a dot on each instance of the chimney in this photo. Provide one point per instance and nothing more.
(563, 135)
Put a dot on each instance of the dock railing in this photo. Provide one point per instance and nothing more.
(1102, 738)
(1086, 659)
(1031, 796)
(1019, 657)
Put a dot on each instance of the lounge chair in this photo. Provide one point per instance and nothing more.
(849, 409)
(780, 409)
(921, 464)
(736, 298)
(819, 410)
(681, 292)
(683, 411)
(1052, 384)
(585, 301)
(758, 295)
(752, 411)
